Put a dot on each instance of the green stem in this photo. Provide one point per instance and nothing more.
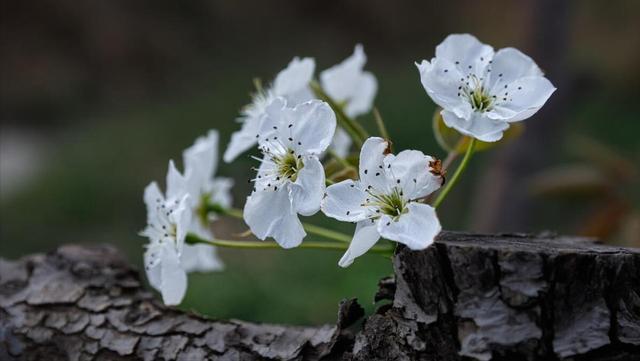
(355, 130)
(345, 163)
(463, 164)
(313, 229)
(380, 122)
(193, 239)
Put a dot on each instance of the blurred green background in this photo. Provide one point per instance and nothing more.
(96, 97)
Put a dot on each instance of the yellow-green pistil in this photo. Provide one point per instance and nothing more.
(392, 204)
(288, 165)
(480, 99)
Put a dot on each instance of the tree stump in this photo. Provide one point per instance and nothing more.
(468, 297)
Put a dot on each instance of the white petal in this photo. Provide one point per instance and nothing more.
(364, 238)
(465, 49)
(308, 190)
(410, 169)
(220, 190)
(200, 258)
(340, 81)
(341, 143)
(201, 160)
(314, 125)
(176, 182)
(526, 96)
(173, 277)
(152, 199)
(152, 258)
(294, 78)
(270, 214)
(416, 228)
(441, 80)
(344, 201)
(510, 64)
(478, 126)
(361, 101)
(371, 164)
(244, 139)
(181, 217)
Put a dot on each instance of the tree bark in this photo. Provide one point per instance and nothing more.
(468, 297)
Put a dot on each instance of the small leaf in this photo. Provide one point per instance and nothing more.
(450, 140)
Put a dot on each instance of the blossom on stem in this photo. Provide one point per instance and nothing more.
(204, 189)
(168, 222)
(290, 179)
(349, 85)
(482, 92)
(292, 83)
(385, 201)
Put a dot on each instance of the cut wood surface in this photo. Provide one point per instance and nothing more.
(468, 297)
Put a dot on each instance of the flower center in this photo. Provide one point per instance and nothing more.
(480, 100)
(393, 204)
(288, 165)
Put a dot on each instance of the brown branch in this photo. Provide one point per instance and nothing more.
(506, 297)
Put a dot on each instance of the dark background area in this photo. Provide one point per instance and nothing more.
(95, 97)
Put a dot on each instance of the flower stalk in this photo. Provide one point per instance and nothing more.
(463, 165)
(329, 246)
(312, 229)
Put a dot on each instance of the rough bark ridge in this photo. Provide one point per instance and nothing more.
(468, 297)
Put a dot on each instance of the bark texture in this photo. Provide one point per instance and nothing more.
(468, 297)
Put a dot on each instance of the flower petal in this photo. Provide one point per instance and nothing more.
(244, 139)
(200, 258)
(361, 101)
(478, 126)
(341, 80)
(293, 82)
(153, 198)
(510, 64)
(221, 191)
(410, 169)
(441, 79)
(308, 190)
(201, 161)
(365, 237)
(270, 214)
(526, 96)
(341, 143)
(416, 228)
(313, 127)
(465, 49)
(176, 182)
(173, 277)
(371, 164)
(181, 217)
(344, 202)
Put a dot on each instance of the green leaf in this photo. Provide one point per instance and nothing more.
(451, 141)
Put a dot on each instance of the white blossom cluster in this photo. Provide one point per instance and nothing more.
(481, 92)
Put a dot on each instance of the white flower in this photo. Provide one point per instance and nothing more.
(201, 161)
(290, 179)
(348, 84)
(292, 83)
(480, 91)
(168, 221)
(385, 201)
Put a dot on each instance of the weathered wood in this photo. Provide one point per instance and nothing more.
(502, 297)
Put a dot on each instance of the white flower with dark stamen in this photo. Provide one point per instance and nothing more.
(292, 83)
(482, 92)
(201, 161)
(168, 221)
(351, 86)
(290, 178)
(385, 202)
